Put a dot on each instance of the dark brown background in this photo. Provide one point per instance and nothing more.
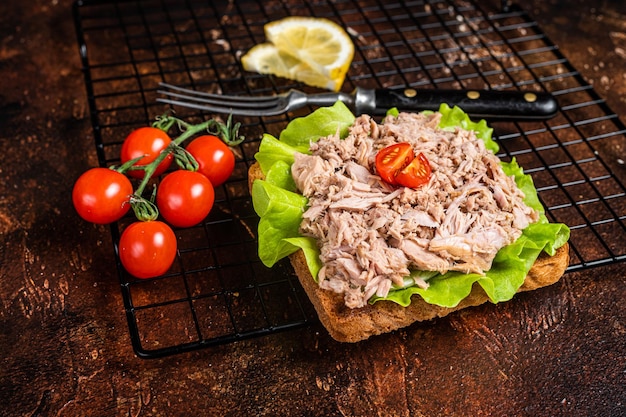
(64, 343)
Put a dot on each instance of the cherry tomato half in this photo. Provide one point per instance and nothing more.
(100, 195)
(216, 160)
(149, 142)
(185, 198)
(391, 159)
(147, 249)
(416, 174)
(398, 165)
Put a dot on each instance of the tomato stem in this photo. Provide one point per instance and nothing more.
(184, 159)
(164, 122)
(128, 165)
(228, 132)
(145, 210)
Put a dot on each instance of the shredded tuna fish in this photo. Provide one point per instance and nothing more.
(371, 234)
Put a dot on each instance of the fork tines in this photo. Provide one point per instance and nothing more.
(218, 103)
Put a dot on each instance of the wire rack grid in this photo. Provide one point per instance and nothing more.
(218, 291)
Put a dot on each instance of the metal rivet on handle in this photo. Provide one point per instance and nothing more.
(409, 92)
(530, 97)
(473, 94)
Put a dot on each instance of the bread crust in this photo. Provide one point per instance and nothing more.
(353, 325)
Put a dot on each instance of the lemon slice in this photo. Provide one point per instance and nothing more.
(319, 42)
(265, 58)
(318, 47)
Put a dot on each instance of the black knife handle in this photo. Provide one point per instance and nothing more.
(481, 104)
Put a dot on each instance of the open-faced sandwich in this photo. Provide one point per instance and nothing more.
(406, 219)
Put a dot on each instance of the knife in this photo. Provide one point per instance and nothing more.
(482, 104)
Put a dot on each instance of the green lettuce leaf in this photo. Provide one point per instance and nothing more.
(454, 117)
(272, 150)
(280, 209)
(279, 174)
(324, 121)
(280, 213)
(311, 253)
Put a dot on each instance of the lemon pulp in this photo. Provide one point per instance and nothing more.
(312, 50)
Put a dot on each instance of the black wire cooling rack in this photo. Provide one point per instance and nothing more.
(218, 291)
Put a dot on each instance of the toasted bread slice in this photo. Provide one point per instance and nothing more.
(353, 325)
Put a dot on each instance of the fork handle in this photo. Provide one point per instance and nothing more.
(484, 104)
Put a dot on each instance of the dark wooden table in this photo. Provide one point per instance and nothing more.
(64, 343)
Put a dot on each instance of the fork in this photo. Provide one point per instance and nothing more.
(488, 104)
(248, 105)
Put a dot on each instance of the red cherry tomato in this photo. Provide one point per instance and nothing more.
(416, 174)
(185, 198)
(391, 159)
(215, 159)
(398, 165)
(100, 195)
(147, 142)
(147, 249)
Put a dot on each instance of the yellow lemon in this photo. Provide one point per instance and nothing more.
(312, 50)
(265, 58)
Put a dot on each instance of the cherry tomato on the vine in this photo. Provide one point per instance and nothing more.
(101, 195)
(148, 142)
(185, 198)
(216, 160)
(147, 249)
